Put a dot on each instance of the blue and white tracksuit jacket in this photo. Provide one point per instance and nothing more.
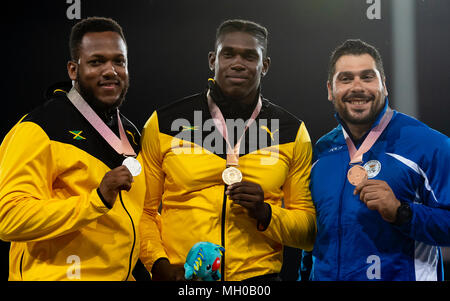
(355, 243)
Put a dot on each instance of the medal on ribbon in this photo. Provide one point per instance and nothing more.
(357, 173)
(120, 144)
(231, 174)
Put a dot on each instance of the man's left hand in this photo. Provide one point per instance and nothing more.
(250, 196)
(378, 195)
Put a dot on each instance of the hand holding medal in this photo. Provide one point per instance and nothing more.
(378, 195)
(113, 182)
(119, 178)
(251, 196)
(248, 195)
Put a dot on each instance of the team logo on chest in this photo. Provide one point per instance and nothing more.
(373, 168)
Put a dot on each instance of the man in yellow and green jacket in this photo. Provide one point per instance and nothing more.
(68, 206)
(187, 200)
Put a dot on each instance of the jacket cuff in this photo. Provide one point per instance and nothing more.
(107, 205)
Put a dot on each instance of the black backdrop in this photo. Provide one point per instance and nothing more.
(169, 40)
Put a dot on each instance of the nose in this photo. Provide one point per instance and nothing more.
(110, 70)
(357, 85)
(238, 67)
(238, 64)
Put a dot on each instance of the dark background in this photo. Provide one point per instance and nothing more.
(169, 41)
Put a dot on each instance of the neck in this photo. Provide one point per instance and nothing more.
(233, 108)
(248, 100)
(358, 130)
(103, 111)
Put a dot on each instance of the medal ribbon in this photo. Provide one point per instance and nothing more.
(356, 155)
(219, 121)
(121, 145)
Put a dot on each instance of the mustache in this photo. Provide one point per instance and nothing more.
(88, 94)
(361, 96)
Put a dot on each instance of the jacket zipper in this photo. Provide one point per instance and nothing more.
(21, 265)
(134, 237)
(222, 235)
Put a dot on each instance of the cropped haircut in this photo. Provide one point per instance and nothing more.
(250, 27)
(354, 47)
(91, 24)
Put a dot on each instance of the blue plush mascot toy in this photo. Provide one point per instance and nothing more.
(203, 262)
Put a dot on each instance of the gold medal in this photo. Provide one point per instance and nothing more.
(356, 174)
(231, 175)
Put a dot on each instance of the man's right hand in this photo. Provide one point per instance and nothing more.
(114, 181)
(163, 270)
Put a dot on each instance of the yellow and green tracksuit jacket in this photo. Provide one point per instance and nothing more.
(183, 165)
(51, 164)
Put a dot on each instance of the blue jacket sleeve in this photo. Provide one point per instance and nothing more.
(430, 222)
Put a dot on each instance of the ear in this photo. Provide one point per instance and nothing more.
(266, 65)
(384, 88)
(330, 91)
(212, 60)
(72, 69)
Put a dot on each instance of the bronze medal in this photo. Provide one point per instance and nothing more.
(356, 174)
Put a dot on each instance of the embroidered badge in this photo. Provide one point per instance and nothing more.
(373, 168)
(77, 135)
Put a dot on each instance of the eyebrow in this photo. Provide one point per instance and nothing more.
(101, 56)
(368, 71)
(245, 50)
(349, 73)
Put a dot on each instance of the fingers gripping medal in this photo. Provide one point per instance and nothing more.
(133, 166)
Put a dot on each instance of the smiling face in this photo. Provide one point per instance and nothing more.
(238, 65)
(358, 92)
(101, 73)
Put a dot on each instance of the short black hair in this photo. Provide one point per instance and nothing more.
(354, 47)
(91, 24)
(253, 28)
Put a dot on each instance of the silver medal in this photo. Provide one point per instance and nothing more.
(133, 165)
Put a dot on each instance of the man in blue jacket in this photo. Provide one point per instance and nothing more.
(380, 181)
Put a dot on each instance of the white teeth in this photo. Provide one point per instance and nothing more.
(358, 102)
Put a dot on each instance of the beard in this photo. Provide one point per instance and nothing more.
(97, 105)
(359, 117)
